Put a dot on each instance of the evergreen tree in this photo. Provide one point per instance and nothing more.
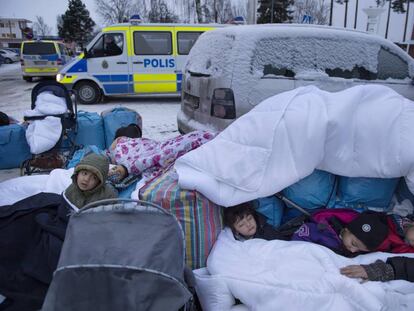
(76, 24)
(282, 11)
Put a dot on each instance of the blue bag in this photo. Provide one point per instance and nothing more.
(272, 208)
(362, 193)
(13, 146)
(118, 117)
(79, 154)
(90, 129)
(314, 191)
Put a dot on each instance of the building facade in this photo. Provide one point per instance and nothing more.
(12, 31)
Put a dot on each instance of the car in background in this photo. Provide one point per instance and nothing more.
(9, 56)
(14, 50)
(231, 70)
(1, 60)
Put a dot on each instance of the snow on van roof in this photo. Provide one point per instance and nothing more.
(242, 55)
(216, 51)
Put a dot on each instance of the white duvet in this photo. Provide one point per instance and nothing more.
(280, 275)
(19, 188)
(364, 131)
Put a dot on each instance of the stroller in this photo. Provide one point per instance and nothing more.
(121, 255)
(65, 147)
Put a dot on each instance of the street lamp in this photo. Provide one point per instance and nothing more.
(271, 13)
(388, 19)
(346, 12)
(331, 12)
(356, 14)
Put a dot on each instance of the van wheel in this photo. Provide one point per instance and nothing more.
(8, 61)
(27, 79)
(88, 93)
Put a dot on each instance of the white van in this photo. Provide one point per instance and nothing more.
(42, 58)
(230, 70)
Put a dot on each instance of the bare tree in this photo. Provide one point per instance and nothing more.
(41, 28)
(116, 11)
(161, 13)
(317, 9)
(221, 11)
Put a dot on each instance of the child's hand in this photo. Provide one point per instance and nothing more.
(354, 271)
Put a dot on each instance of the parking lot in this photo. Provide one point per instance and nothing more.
(158, 114)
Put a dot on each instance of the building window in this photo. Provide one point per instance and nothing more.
(1, 25)
(13, 35)
(3, 35)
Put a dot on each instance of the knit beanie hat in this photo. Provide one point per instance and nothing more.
(97, 164)
(371, 228)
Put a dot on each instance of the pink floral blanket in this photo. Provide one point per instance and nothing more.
(147, 157)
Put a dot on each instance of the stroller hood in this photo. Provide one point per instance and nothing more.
(122, 256)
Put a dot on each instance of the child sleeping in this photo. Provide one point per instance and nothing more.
(349, 233)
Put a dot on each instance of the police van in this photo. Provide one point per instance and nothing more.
(132, 58)
(42, 58)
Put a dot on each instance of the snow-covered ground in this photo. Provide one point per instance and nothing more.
(159, 114)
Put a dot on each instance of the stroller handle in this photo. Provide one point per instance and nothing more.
(117, 201)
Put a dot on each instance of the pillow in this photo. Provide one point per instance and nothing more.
(212, 291)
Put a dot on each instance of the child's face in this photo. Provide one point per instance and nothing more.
(86, 180)
(352, 243)
(409, 236)
(246, 226)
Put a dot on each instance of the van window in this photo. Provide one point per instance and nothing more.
(358, 72)
(186, 40)
(390, 65)
(290, 56)
(152, 43)
(39, 48)
(110, 44)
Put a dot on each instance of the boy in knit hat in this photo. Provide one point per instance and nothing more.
(349, 233)
(89, 181)
(365, 233)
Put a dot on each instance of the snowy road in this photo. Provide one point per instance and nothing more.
(159, 115)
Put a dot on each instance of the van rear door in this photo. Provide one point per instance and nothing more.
(39, 58)
(153, 61)
(109, 64)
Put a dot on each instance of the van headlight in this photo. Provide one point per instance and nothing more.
(222, 104)
(60, 77)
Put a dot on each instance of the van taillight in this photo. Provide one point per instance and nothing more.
(222, 104)
(22, 62)
(59, 61)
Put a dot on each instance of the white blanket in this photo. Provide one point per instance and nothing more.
(280, 275)
(43, 135)
(47, 104)
(19, 188)
(364, 131)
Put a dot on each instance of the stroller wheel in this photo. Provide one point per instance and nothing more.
(88, 93)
